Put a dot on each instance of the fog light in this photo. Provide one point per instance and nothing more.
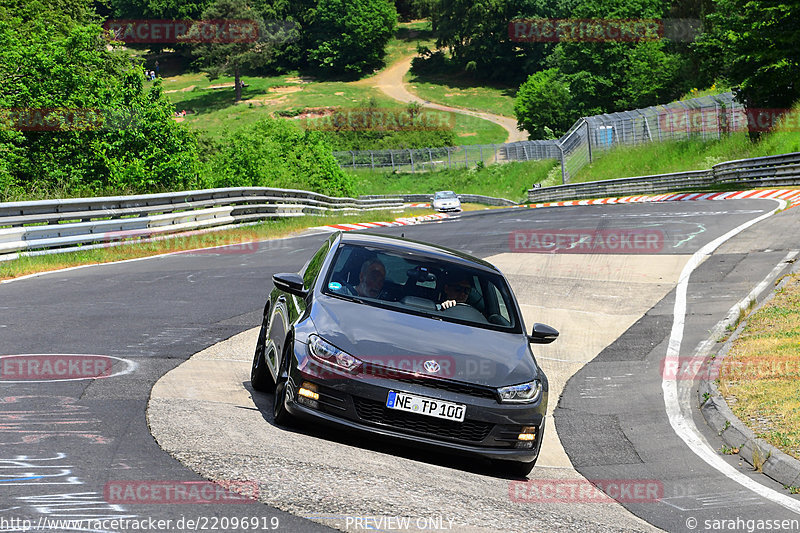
(308, 390)
(528, 433)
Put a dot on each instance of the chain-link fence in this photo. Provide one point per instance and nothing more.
(421, 159)
(707, 117)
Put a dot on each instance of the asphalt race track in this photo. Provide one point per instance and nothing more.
(66, 445)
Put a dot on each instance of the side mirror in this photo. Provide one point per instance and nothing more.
(542, 334)
(291, 283)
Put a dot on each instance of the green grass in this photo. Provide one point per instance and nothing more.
(462, 91)
(472, 130)
(761, 370)
(213, 111)
(507, 180)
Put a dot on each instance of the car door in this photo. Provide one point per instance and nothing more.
(288, 308)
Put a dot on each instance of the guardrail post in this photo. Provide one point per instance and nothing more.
(466, 157)
(430, 157)
(372, 159)
(354, 159)
(411, 155)
(563, 172)
(391, 154)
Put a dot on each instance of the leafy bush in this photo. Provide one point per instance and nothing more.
(542, 104)
(130, 140)
(275, 153)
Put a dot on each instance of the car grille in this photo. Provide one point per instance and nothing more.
(377, 413)
(450, 386)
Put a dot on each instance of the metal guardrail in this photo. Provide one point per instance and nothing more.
(469, 198)
(770, 171)
(61, 224)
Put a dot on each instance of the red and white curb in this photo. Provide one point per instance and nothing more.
(792, 196)
(403, 221)
(416, 205)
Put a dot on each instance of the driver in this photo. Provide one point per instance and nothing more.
(371, 278)
(456, 289)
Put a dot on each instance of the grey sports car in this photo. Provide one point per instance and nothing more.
(409, 341)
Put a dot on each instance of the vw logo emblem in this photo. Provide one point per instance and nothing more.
(432, 366)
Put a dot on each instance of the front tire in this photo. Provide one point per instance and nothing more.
(280, 414)
(260, 376)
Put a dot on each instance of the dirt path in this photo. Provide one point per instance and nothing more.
(390, 81)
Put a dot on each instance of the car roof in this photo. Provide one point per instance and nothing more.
(402, 245)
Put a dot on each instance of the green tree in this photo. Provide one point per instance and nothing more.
(158, 9)
(130, 140)
(610, 76)
(476, 34)
(542, 103)
(236, 54)
(349, 37)
(757, 41)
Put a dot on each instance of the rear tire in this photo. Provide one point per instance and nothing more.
(260, 376)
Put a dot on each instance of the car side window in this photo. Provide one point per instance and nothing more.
(500, 309)
(311, 269)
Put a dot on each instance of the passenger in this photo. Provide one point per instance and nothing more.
(457, 288)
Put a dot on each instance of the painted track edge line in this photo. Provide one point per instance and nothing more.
(684, 427)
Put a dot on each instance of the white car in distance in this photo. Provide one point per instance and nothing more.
(446, 201)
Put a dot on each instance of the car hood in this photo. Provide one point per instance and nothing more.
(403, 341)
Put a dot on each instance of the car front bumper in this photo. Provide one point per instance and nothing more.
(490, 429)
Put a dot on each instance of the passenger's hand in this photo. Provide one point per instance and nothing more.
(447, 304)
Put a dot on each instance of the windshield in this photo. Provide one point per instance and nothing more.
(446, 195)
(422, 286)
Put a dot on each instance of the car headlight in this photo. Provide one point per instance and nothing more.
(522, 393)
(323, 351)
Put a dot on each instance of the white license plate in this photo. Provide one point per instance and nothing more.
(426, 406)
